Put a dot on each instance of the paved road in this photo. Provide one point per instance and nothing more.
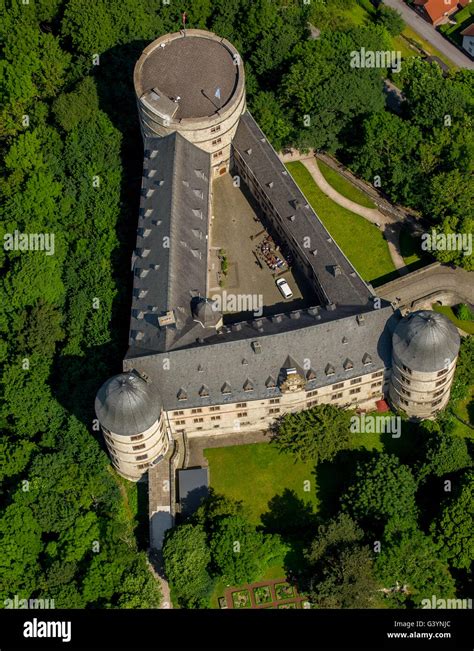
(427, 281)
(429, 33)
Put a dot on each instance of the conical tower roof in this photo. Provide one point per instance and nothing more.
(426, 341)
(127, 404)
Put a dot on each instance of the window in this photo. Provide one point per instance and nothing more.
(404, 402)
(241, 405)
(141, 457)
(375, 384)
(404, 391)
(407, 370)
(196, 411)
(352, 391)
(241, 414)
(217, 141)
(136, 438)
(311, 403)
(443, 372)
(178, 413)
(311, 393)
(275, 410)
(215, 417)
(339, 385)
(198, 420)
(440, 383)
(215, 408)
(438, 393)
(138, 447)
(378, 374)
(216, 129)
(336, 396)
(436, 402)
(180, 422)
(274, 401)
(356, 380)
(405, 380)
(142, 466)
(217, 154)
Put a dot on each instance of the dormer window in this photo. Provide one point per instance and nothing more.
(226, 388)
(329, 370)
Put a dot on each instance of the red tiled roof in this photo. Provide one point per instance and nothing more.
(469, 31)
(382, 406)
(436, 9)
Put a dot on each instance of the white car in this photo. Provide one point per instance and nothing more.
(284, 288)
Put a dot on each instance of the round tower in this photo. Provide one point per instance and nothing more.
(130, 414)
(425, 347)
(192, 82)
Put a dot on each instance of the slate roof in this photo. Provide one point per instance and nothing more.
(193, 484)
(343, 289)
(127, 403)
(424, 341)
(193, 68)
(225, 365)
(170, 260)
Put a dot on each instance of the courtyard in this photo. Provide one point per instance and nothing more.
(239, 234)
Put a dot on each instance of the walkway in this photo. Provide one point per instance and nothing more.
(197, 445)
(430, 283)
(390, 225)
(429, 33)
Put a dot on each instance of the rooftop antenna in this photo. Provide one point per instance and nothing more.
(183, 15)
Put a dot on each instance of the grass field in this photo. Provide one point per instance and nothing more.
(345, 187)
(361, 241)
(254, 474)
(466, 326)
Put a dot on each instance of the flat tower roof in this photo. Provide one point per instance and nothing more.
(200, 70)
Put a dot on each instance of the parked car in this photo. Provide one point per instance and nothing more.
(284, 288)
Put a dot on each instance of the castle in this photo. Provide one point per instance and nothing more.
(189, 369)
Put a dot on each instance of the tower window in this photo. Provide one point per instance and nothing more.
(138, 447)
(141, 457)
(136, 438)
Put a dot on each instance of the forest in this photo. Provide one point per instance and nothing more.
(71, 166)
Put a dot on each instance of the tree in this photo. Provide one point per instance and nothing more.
(382, 495)
(444, 452)
(240, 553)
(409, 569)
(390, 151)
(316, 434)
(453, 529)
(391, 19)
(340, 571)
(186, 557)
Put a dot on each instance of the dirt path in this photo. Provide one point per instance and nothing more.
(390, 226)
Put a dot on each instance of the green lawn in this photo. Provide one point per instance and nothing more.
(466, 326)
(411, 35)
(256, 473)
(345, 187)
(463, 19)
(361, 241)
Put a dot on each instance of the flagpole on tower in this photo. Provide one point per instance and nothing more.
(184, 22)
